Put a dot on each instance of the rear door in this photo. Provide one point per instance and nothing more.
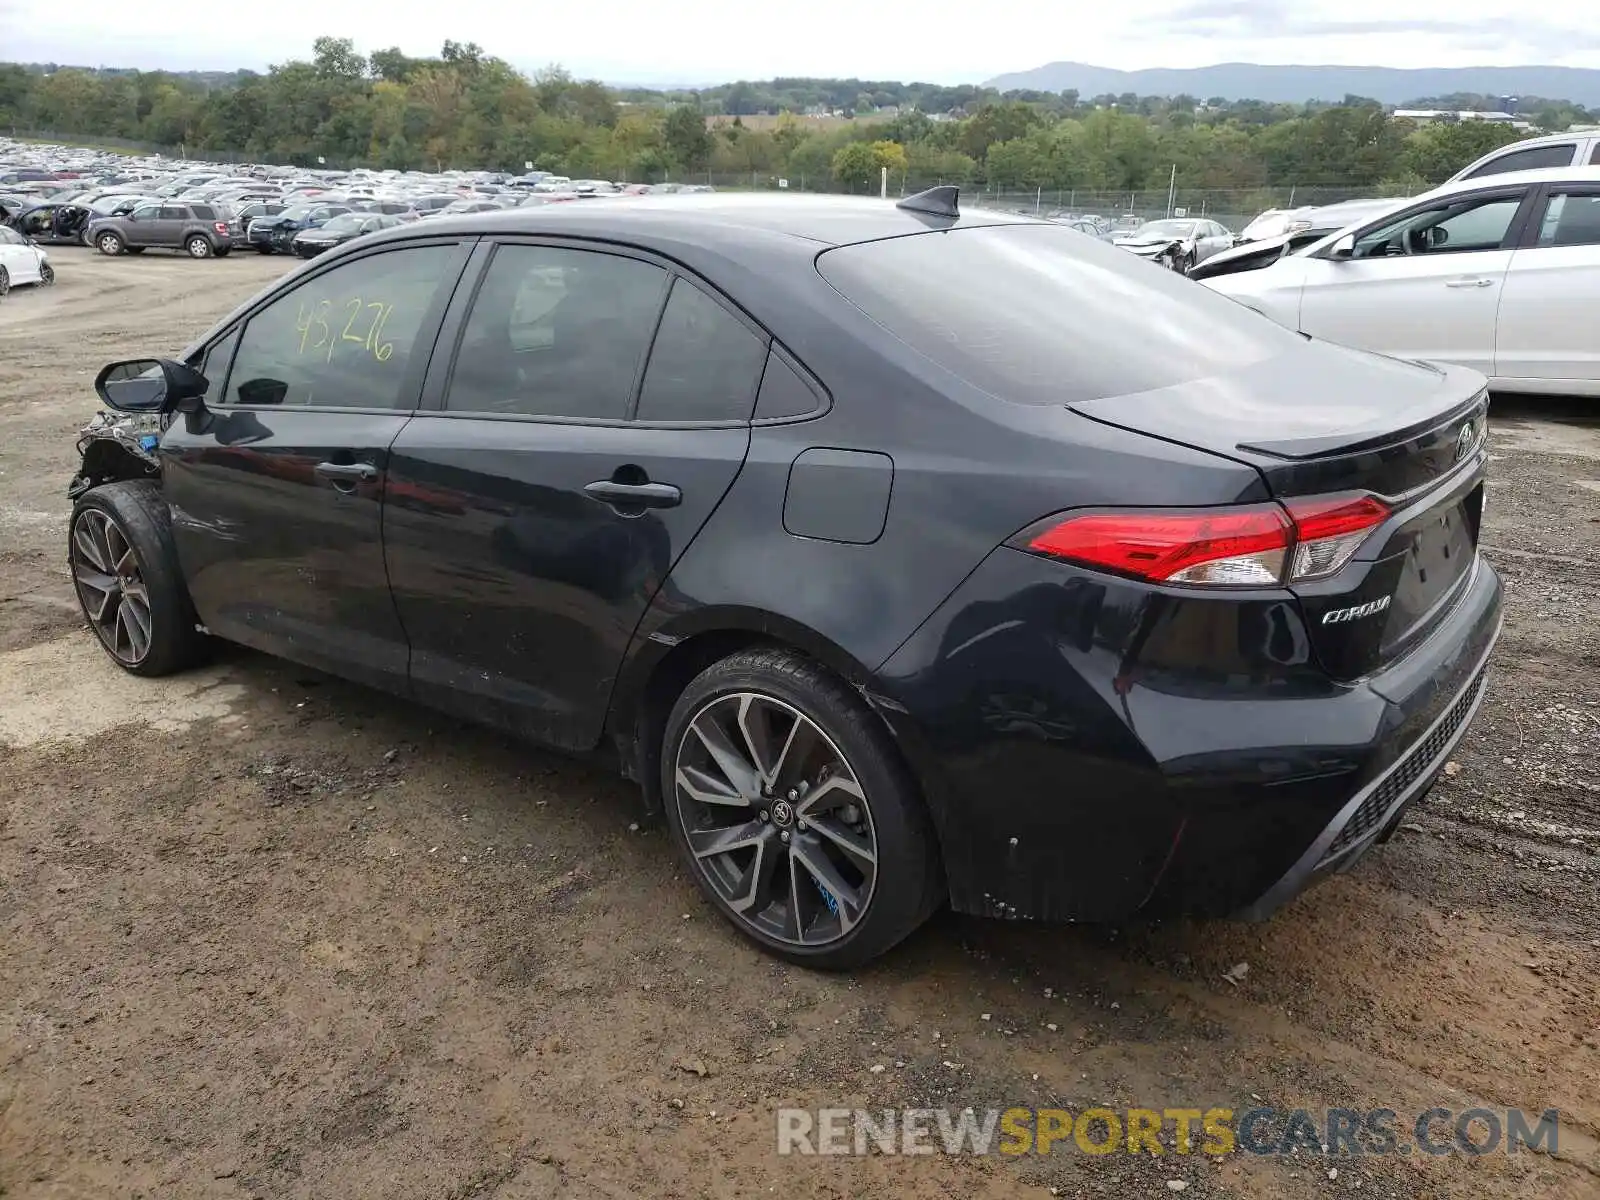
(532, 516)
(276, 491)
(168, 229)
(1547, 333)
(1424, 283)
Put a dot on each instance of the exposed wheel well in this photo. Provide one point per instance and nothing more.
(105, 461)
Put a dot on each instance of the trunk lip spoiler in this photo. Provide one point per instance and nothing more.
(1323, 446)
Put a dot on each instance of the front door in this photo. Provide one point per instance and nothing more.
(530, 521)
(1424, 284)
(276, 490)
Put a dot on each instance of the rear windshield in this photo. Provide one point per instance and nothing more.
(1039, 314)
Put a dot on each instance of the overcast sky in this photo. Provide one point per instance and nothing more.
(711, 41)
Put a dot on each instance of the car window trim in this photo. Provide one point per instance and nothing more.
(415, 372)
(436, 391)
(1510, 241)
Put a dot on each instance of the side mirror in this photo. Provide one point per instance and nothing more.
(1345, 247)
(150, 385)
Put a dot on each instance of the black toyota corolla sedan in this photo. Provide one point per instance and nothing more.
(903, 555)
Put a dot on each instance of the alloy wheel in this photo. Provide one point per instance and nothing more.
(199, 248)
(111, 587)
(5, 281)
(110, 244)
(775, 819)
(47, 274)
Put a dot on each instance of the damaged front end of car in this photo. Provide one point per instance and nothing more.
(115, 446)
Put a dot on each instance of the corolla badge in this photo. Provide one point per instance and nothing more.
(1339, 616)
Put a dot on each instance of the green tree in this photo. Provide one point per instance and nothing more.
(856, 166)
(686, 138)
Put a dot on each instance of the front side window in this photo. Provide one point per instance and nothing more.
(1447, 227)
(147, 212)
(555, 332)
(1571, 219)
(705, 363)
(344, 338)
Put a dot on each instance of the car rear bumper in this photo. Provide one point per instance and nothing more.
(1092, 749)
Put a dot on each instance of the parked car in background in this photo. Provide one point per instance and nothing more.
(1157, 609)
(275, 234)
(240, 219)
(1310, 225)
(1498, 273)
(341, 229)
(22, 262)
(197, 230)
(1539, 153)
(1178, 242)
(54, 224)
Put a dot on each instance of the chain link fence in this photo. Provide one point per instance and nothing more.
(1233, 207)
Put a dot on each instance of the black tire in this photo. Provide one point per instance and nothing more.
(197, 245)
(264, 250)
(907, 883)
(137, 249)
(223, 251)
(47, 274)
(137, 511)
(110, 242)
(5, 281)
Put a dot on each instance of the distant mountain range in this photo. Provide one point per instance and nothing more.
(1296, 85)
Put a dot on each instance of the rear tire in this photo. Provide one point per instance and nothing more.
(831, 802)
(198, 247)
(110, 243)
(124, 566)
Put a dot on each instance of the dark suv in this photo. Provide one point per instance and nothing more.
(196, 229)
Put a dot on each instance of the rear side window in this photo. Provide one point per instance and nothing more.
(343, 339)
(1531, 159)
(1036, 314)
(555, 332)
(1594, 159)
(203, 211)
(705, 363)
(1571, 219)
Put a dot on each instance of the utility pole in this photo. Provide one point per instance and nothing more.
(1172, 189)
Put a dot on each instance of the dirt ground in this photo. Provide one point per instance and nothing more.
(266, 934)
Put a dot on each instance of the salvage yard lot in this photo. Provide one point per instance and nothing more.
(267, 934)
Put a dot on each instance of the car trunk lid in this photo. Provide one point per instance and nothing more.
(1334, 422)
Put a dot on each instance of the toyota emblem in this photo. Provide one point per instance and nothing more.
(1468, 439)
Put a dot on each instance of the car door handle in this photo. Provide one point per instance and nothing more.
(346, 472)
(1468, 283)
(634, 495)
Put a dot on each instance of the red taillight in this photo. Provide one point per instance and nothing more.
(222, 227)
(1258, 545)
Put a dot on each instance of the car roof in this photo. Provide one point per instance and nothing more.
(1513, 178)
(710, 218)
